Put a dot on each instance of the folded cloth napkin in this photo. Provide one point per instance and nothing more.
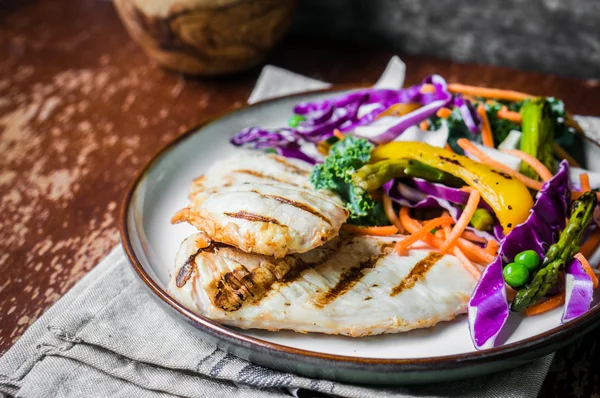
(107, 338)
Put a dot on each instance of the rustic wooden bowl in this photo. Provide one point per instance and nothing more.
(206, 37)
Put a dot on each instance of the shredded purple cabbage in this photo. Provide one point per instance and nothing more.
(579, 290)
(488, 307)
(343, 113)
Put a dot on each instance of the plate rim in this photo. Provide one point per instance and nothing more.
(513, 350)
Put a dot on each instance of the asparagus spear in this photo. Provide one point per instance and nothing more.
(538, 134)
(556, 256)
(372, 176)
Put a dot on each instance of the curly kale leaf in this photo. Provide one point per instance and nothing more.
(335, 174)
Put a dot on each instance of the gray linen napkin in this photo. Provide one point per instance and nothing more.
(107, 338)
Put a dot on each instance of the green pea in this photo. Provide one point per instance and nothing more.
(295, 120)
(529, 258)
(515, 274)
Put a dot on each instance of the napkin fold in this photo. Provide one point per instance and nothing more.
(108, 338)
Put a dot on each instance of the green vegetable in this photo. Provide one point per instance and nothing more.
(515, 274)
(335, 174)
(372, 176)
(500, 127)
(567, 246)
(538, 135)
(529, 259)
(482, 220)
(295, 120)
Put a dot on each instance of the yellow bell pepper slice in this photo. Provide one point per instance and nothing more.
(508, 197)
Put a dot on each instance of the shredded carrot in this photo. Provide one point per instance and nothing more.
(472, 251)
(588, 269)
(449, 148)
(473, 237)
(535, 164)
(562, 154)
(486, 131)
(424, 125)
(589, 247)
(504, 113)
(376, 195)
(492, 247)
(376, 231)
(483, 158)
(388, 206)
(510, 293)
(422, 232)
(338, 134)
(413, 226)
(584, 178)
(443, 113)
(427, 89)
(485, 92)
(473, 270)
(463, 220)
(547, 305)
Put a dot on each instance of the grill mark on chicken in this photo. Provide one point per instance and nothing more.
(258, 174)
(252, 217)
(417, 274)
(186, 270)
(291, 167)
(299, 205)
(347, 281)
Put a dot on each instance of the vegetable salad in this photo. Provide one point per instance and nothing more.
(491, 176)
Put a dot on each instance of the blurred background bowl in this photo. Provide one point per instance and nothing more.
(207, 37)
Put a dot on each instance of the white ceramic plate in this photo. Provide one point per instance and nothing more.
(439, 353)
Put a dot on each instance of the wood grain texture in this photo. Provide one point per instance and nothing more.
(82, 108)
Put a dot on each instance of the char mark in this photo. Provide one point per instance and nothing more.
(252, 217)
(291, 167)
(299, 205)
(347, 281)
(258, 174)
(186, 270)
(417, 274)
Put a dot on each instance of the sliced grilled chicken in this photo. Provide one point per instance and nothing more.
(352, 285)
(267, 208)
(255, 168)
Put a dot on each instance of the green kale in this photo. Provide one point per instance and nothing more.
(335, 174)
(456, 129)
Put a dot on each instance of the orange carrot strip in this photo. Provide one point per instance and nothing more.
(422, 232)
(338, 134)
(562, 154)
(588, 269)
(388, 206)
(535, 164)
(424, 125)
(427, 89)
(475, 252)
(485, 92)
(584, 178)
(483, 158)
(590, 246)
(376, 231)
(547, 305)
(492, 247)
(504, 113)
(443, 113)
(449, 148)
(463, 220)
(462, 257)
(486, 131)
(473, 237)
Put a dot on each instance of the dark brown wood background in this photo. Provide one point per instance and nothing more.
(82, 108)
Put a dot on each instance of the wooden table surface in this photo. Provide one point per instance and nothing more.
(82, 108)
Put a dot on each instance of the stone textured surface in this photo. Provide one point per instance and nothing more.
(554, 36)
(82, 108)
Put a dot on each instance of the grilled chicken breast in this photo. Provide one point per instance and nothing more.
(263, 204)
(352, 285)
